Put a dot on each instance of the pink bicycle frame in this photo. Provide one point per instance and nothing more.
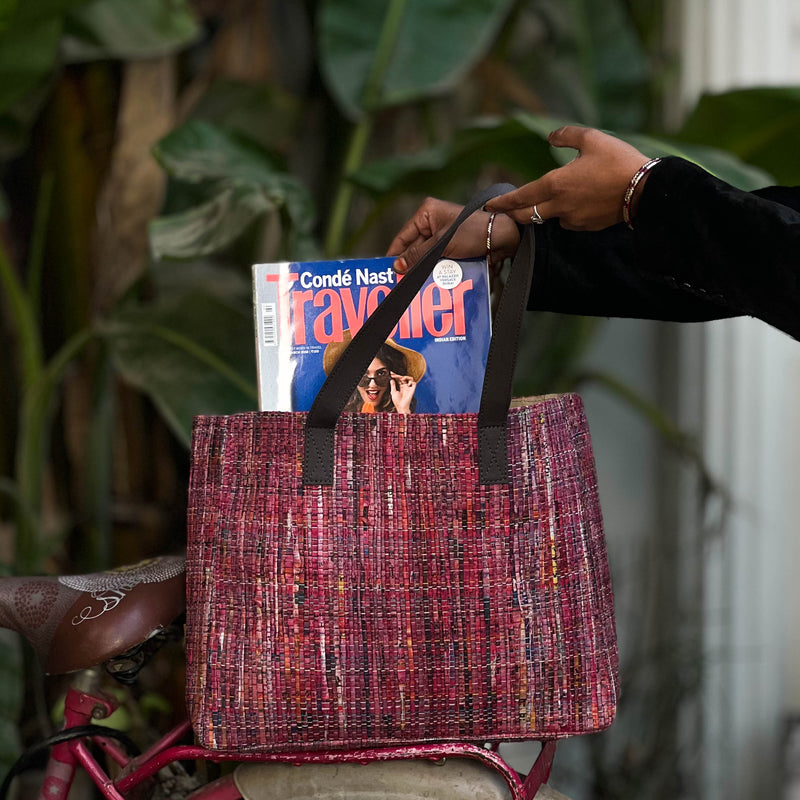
(82, 708)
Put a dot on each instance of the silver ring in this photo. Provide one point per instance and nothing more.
(536, 217)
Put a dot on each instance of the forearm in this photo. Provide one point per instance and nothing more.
(595, 274)
(700, 250)
(740, 249)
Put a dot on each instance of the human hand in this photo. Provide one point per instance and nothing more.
(586, 194)
(402, 388)
(434, 217)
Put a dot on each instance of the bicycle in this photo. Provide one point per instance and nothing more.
(112, 623)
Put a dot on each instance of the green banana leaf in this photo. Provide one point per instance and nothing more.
(26, 15)
(200, 151)
(761, 126)
(614, 62)
(30, 39)
(262, 113)
(722, 163)
(239, 183)
(589, 63)
(7, 9)
(518, 143)
(121, 29)
(379, 54)
(36, 37)
(210, 226)
(186, 350)
(27, 57)
(507, 142)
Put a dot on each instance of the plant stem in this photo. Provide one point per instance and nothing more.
(34, 430)
(346, 190)
(30, 342)
(383, 53)
(359, 139)
(10, 490)
(99, 467)
(38, 237)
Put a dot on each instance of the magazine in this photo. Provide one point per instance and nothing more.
(433, 361)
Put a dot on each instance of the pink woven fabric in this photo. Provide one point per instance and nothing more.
(406, 603)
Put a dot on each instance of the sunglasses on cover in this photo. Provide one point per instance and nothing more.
(381, 378)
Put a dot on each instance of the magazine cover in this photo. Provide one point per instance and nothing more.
(434, 360)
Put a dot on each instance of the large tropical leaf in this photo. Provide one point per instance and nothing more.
(27, 58)
(722, 163)
(200, 151)
(761, 126)
(519, 144)
(613, 62)
(210, 226)
(129, 30)
(26, 16)
(241, 182)
(30, 33)
(263, 113)
(7, 9)
(185, 351)
(377, 54)
(587, 61)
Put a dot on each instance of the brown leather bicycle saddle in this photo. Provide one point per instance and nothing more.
(79, 621)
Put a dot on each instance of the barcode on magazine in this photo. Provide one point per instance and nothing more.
(269, 324)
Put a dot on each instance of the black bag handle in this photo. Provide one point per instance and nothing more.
(498, 378)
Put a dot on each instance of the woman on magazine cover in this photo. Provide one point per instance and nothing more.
(390, 380)
(621, 235)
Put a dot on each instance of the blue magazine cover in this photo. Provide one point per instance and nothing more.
(434, 360)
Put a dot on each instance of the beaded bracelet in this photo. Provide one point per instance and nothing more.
(629, 192)
(489, 239)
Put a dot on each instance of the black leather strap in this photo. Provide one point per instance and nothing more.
(498, 380)
(497, 386)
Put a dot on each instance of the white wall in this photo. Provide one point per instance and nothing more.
(735, 43)
(737, 384)
(751, 423)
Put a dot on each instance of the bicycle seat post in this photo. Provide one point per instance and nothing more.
(86, 702)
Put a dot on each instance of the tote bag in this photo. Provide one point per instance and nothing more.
(360, 580)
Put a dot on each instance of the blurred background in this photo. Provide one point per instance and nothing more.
(152, 150)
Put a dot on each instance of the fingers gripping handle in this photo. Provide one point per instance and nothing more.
(496, 396)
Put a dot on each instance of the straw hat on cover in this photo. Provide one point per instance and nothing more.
(415, 362)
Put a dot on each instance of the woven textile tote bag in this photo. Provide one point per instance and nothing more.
(365, 580)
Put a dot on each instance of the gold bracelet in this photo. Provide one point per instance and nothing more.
(629, 192)
(489, 239)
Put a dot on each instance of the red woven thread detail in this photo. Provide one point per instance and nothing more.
(406, 603)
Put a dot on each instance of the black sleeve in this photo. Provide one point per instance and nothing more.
(701, 250)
